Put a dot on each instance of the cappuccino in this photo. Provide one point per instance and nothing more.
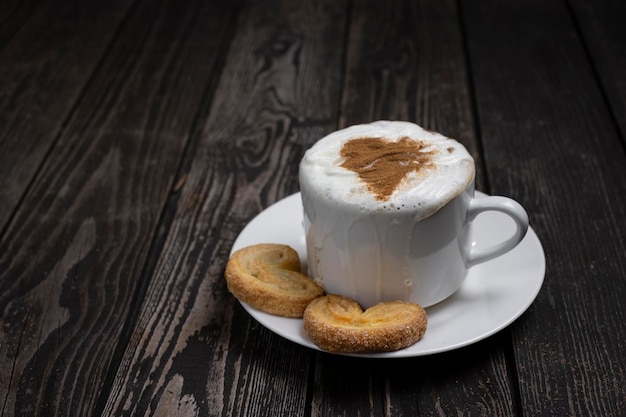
(387, 166)
(388, 208)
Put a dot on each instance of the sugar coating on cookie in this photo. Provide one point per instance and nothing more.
(338, 324)
(267, 277)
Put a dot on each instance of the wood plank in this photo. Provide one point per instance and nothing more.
(44, 67)
(407, 62)
(194, 349)
(550, 142)
(602, 26)
(13, 15)
(72, 261)
(471, 381)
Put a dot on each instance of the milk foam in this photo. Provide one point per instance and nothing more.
(452, 171)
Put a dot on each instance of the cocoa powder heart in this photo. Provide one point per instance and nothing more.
(382, 164)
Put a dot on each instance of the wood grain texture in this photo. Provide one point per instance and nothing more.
(550, 142)
(13, 15)
(470, 381)
(72, 261)
(137, 138)
(194, 349)
(50, 53)
(601, 25)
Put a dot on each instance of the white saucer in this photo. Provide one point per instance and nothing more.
(493, 295)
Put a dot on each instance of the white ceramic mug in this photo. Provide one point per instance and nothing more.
(374, 255)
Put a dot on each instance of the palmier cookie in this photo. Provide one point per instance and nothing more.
(267, 277)
(338, 324)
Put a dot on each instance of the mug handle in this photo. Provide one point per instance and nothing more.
(504, 205)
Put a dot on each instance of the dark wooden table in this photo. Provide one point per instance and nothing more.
(138, 138)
